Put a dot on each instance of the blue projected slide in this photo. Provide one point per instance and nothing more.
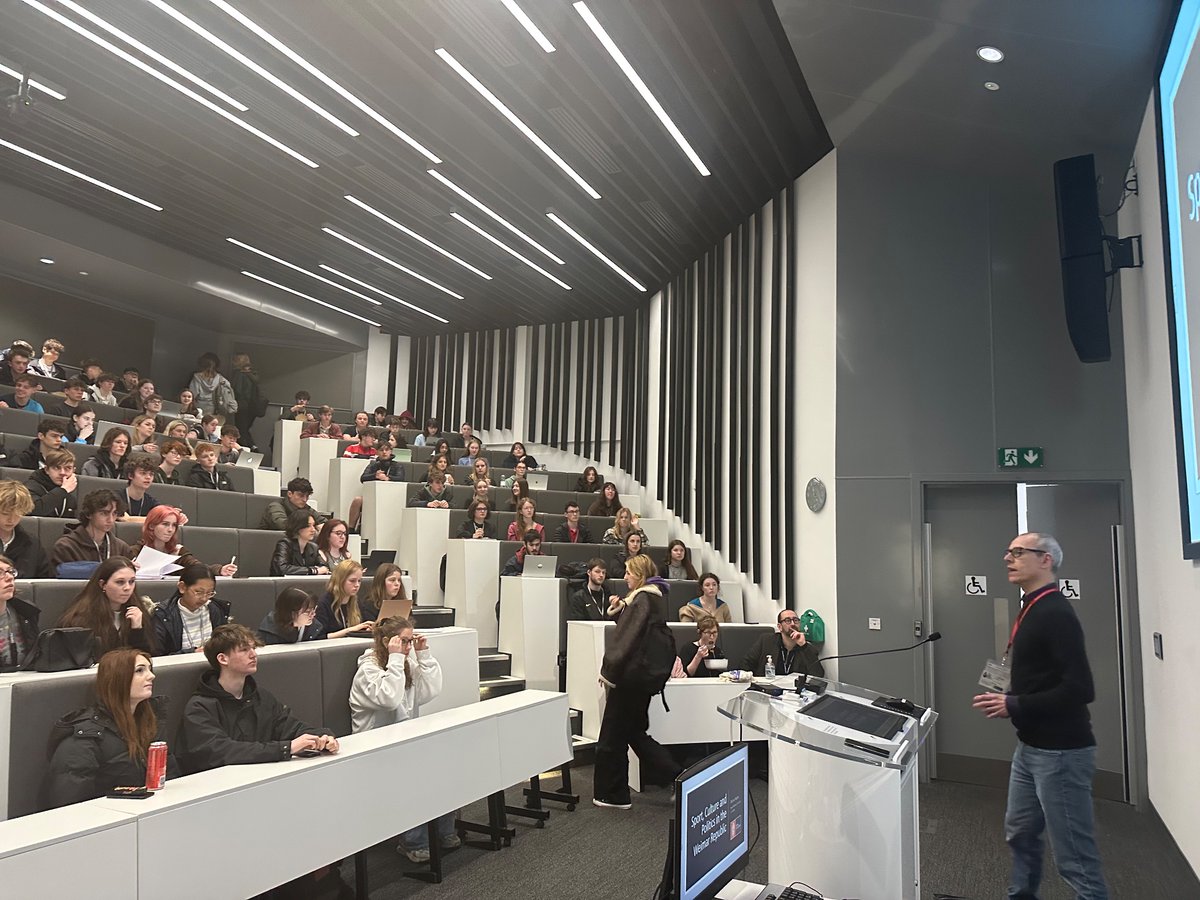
(1179, 120)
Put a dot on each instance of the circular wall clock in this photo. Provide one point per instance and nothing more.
(815, 494)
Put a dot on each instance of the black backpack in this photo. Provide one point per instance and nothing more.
(658, 657)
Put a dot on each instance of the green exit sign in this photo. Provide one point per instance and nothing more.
(1020, 457)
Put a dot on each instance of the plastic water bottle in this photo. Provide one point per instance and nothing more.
(769, 670)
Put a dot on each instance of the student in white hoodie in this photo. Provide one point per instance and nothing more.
(395, 676)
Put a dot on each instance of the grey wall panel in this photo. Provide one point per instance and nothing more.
(875, 578)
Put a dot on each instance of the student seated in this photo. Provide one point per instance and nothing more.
(90, 542)
(179, 430)
(26, 557)
(589, 482)
(50, 432)
(790, 651)
(205, 474)
(54, 488)
(74, 393)
(48, 365)
(481, 470)
(572, 531)
(16, 363)
(297, 553)
(135, 500)
(430, 434)
(480, 493)
(322, 427)
(520, 472)
(590, 603)
(477, 526)
(293, 620)
(397, 440)
(130, 379)
(18, 619)
(230, 449)
(188, 410)
(525, 521)
(275, 516)
(230, 720)
(102, 390)
(338, 611)
(379, 417)
(90, 370)
(694, 654)
(104, 746)
(396, 675)
(109, 461)
(474, 446)
(152, 406)
(383, 467)
(632, 548)
(708, 603)
(517, 454)
(186, 620)
(161, 531)
(608, 503)
(210, 428)
(143, 427)
(138, 395)
(331, 542)
(434, 495)
(362, 419)
(677, 565)
(173, 453)
(81, 425)
(299, 409)
(622, 527)
(531, 546)
(388, 584)
(440, 465)
(22, 395)
(365, 448)
(110, 607)
(518, 492)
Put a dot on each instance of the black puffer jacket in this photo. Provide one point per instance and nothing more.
(29, 559)
(49, 499)
(88, 758)
(221, 730)
(27, 615)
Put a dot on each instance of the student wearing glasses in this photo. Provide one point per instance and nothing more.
(184, 621)
(18, 620)
(791, 651)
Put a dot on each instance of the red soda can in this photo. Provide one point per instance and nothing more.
(156, 766)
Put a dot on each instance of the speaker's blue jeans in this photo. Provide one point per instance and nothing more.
(1051, 791)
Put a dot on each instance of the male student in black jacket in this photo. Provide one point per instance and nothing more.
(230, 720)
(27, 557)
(590, 602)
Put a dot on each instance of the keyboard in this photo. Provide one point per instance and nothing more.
(788, 893)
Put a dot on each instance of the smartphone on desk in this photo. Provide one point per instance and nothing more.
(129, 793)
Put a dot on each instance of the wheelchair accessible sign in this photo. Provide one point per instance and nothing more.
(1020, 457)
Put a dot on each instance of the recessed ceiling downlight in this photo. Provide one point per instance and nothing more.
(47, 260)
(990, 54)
(991, 85)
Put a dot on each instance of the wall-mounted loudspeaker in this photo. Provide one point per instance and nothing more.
(1081, 246)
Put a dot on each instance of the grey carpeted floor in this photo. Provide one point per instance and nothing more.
(615, 854)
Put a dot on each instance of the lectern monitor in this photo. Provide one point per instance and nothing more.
(857, 716)
(710, 844)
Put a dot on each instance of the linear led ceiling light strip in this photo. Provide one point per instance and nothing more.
(510, 250)
(553, 217)
(495, 216)
(283, 287)
(36, 85)
(88, 178)
(312, 70)
(153, 54)
(382, 293)
(165, 79)
(516, 122)
(391, 262)
(250, 64)
(527, 24)
(302, 270)
(424, 240)
(619, 58)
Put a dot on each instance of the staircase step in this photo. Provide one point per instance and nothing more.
(432, 616)
(493, 665)
(498, 687)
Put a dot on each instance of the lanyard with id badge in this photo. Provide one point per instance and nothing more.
(997, 676)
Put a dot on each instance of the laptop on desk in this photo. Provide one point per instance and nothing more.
(376, 559)
(540, 566)
(537, 481)
(248, 459)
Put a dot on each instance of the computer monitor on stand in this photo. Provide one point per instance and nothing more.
(708, 843)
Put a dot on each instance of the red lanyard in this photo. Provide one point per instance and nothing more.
(1024, 610)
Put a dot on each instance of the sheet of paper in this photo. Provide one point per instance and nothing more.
(156, 564)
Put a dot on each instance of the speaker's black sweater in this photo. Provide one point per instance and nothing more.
(1051, 680)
